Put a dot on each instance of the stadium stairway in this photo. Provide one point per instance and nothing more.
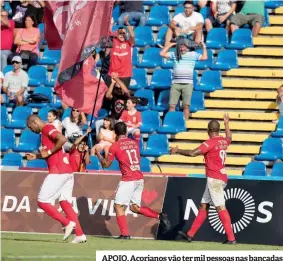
(248, 95)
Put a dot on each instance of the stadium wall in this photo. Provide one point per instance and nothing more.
(255, 206)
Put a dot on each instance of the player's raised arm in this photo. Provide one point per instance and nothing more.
(190, 153)
(228, 132)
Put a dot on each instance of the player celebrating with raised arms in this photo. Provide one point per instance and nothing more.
(130, 188)
(59, 182)
(214, 151)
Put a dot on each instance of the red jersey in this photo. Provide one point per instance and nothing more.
(214, 151)
(127, 152)
(7, 36)
(76, 160)
(58, 162)
(131, 119)
(121, 59)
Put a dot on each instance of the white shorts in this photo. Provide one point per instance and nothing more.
(214, 192)
(56, 186)
(129, 192)
(131, 131)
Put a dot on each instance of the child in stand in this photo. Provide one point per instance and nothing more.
(53, 118)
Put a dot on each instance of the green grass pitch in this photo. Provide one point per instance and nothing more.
(26, 247)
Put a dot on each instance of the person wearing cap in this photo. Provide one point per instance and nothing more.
(184, 64)
(16, 82)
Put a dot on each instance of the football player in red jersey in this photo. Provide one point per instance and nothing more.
(214, 151)
(59, 183)
(130, 188)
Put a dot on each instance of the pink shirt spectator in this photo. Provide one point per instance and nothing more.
(7, 36)
(25, 34)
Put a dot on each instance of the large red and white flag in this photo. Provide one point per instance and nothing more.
(78, 27)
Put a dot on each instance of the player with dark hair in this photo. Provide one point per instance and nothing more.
(59, 183)
(214, 151)
(130, 188)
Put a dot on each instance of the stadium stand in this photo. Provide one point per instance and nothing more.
(241, 76)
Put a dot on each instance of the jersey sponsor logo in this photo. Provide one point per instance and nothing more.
(65, 160)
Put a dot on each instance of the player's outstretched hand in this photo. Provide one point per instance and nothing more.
(30, 156)
(226, 118)
(174, 150)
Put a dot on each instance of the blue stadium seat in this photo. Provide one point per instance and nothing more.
(145, 165)
(19, 117)
(115, 28)
(151, 58)
(42, 90)
(266, 18)
(135, 57)
(141, 145)
(272, 4)
(157, 145)
(160, 39)
(197, 101)
(173, 123)
(53, 79)
(241, 39)
(41, 27)
(12, 159)
(149, 2)
(163, 102)
(202, 65)
(226, 60)
(116, 13)
(50, 57)
(143, 36)
(279, 129)
(57, 102)
(114, 166)
(271, 150)
(7, 7)
(29, 142)
(158, 16)
(4, 116)
(7, 68)
(168, 2)
(217, 38)
(102, 113)
(37, 75)
(210, 81)
(178, 10)
(277, 170)
(168, 63)
(150, 121)
(255, 169)
(205, 12)
(7, 139)
(37, 164)
(94, 164)
(139, 79)
(149, 95)
(161, 79)
(43, 112)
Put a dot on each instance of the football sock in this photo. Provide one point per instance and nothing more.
(200, 218)
(53, 212)
(226, 221)
(122, 223)
(148, 212)
(71, 215)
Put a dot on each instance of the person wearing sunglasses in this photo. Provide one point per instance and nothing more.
(121, 54)
(7, 37)
(16, 82)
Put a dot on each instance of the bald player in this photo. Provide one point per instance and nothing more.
(214, 151)
(59, 183)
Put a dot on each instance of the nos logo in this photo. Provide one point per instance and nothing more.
(242, 209)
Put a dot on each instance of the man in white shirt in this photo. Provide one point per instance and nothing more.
(188, 24)
(16, 82)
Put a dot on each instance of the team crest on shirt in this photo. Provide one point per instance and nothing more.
(65, 160)
(123, 46)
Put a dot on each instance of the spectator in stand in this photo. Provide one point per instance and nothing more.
(118, 94)
(188, 24)
(39, 5)
(252, 13)
(21, 9)
(133, 10)
(183, 71)
(121, 54)
(16, 82)
(132, 118)
(7, 36)
(73, 127)
(279, 99)
(53, 118)
(106, 137)
(222, 11)
(79, 150)
(1, 84)
(27, 41)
